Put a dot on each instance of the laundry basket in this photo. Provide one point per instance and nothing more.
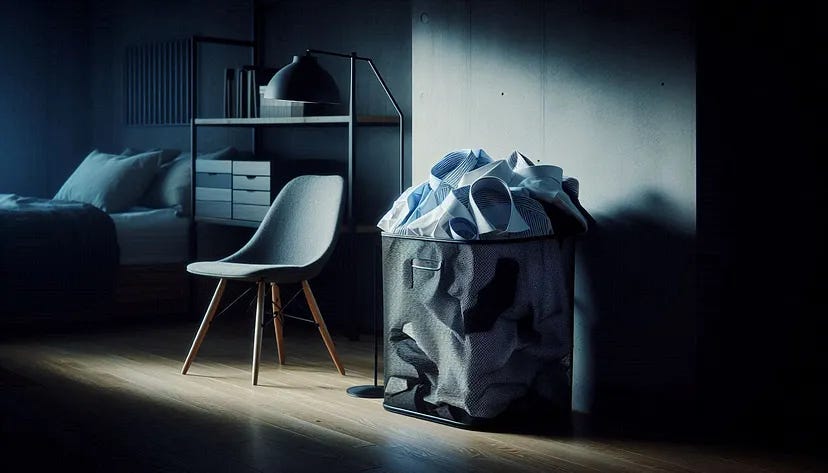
(478, 334)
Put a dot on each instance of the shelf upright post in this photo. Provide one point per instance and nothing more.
(192, 84)
(193, 247)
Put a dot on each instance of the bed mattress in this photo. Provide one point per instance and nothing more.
(151, 236)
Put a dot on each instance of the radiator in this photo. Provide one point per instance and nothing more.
(157, 83)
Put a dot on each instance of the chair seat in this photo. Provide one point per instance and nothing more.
(276, 273)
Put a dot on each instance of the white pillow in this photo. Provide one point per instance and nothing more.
(111, 182)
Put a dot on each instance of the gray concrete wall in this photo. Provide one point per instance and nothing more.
(606, 91)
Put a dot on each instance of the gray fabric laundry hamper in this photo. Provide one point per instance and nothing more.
(478, 334)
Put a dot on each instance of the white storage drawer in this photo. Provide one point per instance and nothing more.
(213, 193)
(249, 212)
(251, 168)
(251, 197)
(253, 183)
(214, 209)
(214, 179)
(214, 166)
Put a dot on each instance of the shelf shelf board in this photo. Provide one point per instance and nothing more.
(228, 221)
(286, 121)
(255, 224)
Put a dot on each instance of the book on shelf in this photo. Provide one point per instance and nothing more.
(248, 81)
(229, 93)
(241, 83)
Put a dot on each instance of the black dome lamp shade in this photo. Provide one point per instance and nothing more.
(303, 80)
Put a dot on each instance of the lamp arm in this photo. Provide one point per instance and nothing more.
(390, 97)
(384, 87)
(402, 120)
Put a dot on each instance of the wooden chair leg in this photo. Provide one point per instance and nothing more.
(205, 325)
(326, 337)
(257, 330)
(277, 321)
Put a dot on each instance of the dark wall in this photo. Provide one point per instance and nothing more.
(44, 94)
(761, 196)
(62, 86)
(117, 25)
(378, 29)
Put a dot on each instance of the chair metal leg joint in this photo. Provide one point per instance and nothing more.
(228, 306)
(301, 319)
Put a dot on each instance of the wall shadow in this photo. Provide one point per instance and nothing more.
(636, 325)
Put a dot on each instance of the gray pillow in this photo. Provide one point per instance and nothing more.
(111, 182)
(167, 154)
(228, 152)
(171, 185)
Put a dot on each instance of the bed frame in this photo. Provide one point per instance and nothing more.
(148, 290)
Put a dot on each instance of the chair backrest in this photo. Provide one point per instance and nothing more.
(300, 228)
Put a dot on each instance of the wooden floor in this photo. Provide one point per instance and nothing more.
(113, 399)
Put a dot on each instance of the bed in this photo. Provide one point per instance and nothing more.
(112, 243)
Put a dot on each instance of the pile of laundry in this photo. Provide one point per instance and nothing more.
(470, 196)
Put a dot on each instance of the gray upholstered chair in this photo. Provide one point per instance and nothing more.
(291, 245)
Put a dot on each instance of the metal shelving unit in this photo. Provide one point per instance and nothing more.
(350, 121)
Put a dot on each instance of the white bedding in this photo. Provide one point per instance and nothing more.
(151, 236)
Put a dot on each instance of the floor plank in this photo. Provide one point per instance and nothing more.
(114, 399)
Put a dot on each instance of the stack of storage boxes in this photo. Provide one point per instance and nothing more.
(213, 188)
(251, 190)
(234, 190)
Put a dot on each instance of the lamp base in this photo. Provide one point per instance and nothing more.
(367, 391)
